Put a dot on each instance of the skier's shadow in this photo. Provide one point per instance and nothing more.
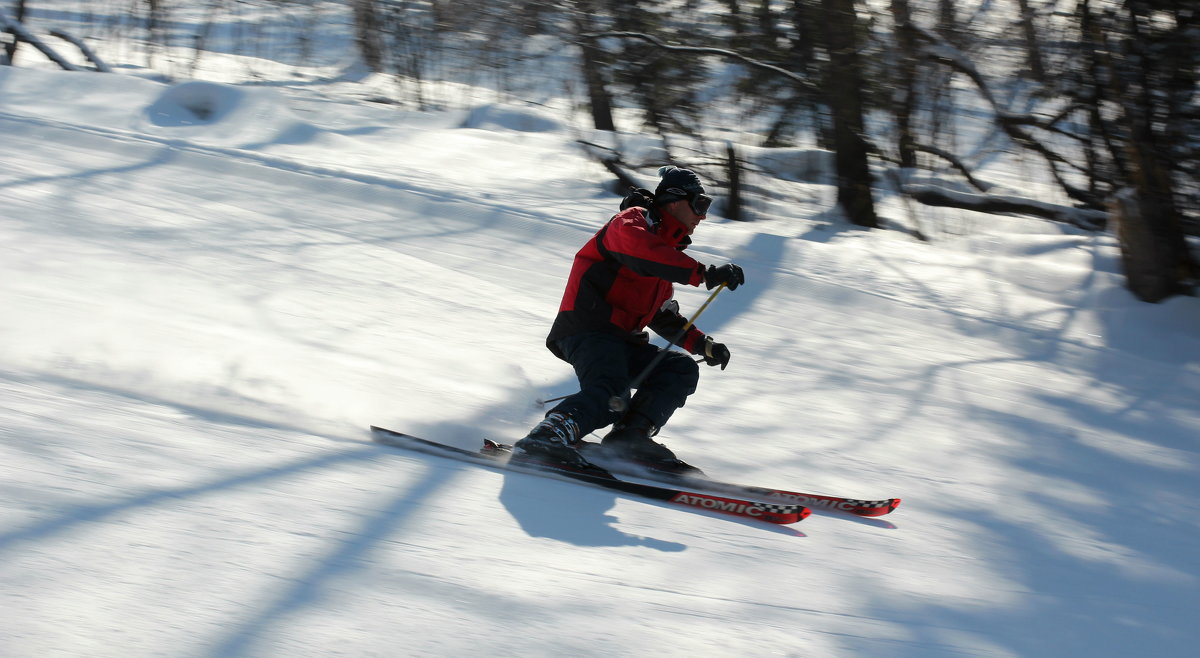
(582, 520)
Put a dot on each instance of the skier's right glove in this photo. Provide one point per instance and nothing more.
(729, 274)
(715, 354)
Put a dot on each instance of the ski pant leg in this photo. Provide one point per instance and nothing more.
(667, 387)
(602, 364)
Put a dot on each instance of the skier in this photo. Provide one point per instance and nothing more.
(621, 283)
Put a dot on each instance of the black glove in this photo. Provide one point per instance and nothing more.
(729, 274)
(715, 354)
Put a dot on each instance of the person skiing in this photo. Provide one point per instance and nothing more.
(620, 284)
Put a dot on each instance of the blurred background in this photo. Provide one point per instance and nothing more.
(1095, 101)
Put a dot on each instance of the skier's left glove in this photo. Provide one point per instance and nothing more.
(715, 354)
(731, 275)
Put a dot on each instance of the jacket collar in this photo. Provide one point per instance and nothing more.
(669, 228)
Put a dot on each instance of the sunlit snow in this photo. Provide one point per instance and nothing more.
(208, 292)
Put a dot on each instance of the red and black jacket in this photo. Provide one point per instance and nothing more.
(623, 276)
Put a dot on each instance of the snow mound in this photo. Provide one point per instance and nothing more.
(105, 100)
(507, 117)
(226, 115)
(195, 103)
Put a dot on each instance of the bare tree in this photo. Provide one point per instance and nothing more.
(1120, 122)
(1157, 71)
(844, 83)
(368, 33)
(1031, 41)
(904, 94)
(10, 48)
(592, 66)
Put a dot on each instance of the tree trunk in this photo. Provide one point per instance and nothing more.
(591, 63)
(1146, 273)
(844, 93)
(10, 49)
(904, 95)
(1154, 249)
(1033, 49)
(733, 201)
(366, 34)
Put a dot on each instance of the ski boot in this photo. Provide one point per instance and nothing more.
(630, 440)
(554, 441)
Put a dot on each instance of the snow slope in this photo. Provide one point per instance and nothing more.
(208, 292)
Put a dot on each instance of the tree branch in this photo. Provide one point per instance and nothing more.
(83, 48)
(700, 50)
(1092, 220)
(18, 30)
(942, 52)
(956, 163)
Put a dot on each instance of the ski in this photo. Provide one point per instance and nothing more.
(771, 512)
(594, 453)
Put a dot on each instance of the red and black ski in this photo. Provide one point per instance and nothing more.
(496, 457)
(594, 453)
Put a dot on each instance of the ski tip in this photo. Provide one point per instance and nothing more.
(887, 508)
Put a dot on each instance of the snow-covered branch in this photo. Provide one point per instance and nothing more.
(90, 54)
(22, 34)
(1092, 220)
(956, 163)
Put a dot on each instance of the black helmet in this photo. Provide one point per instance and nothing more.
(677, 184)
(682, 184)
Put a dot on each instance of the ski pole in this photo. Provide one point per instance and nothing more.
(619, 403)
(541, 402)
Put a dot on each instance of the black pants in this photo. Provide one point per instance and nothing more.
(606, 364)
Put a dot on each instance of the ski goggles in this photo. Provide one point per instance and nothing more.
(699, 203)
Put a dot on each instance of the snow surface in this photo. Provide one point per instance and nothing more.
(208, 292)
